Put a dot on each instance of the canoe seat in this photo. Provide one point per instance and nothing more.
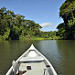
(30, 59)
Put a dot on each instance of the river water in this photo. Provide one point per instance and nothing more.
(61, 54)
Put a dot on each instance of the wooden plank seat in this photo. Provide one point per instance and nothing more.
(30, 59)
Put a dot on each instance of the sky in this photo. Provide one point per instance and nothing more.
(43, 12)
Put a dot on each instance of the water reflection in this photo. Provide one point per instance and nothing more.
(68, 50)
(60, 53)
(49, 48)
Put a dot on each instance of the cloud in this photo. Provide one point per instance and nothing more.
(47, 25)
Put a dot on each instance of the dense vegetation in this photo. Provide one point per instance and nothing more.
(66, 30)
(14, 27)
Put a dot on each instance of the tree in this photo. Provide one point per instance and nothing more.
(15, 26)
(67, 12)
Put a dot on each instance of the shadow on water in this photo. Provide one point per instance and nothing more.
(11, 50)
(61, 53)
(67, 48)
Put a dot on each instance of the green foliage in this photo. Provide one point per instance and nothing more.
(16, 27)
(71, 22)
(67, 7)
(6, 34)
(0, 38)
(61, 31)
(66, 30)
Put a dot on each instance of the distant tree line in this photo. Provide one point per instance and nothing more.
(15, 26)
(66, 30)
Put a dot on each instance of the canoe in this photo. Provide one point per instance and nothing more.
(32, 62)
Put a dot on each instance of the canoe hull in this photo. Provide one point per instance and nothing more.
(33, 56)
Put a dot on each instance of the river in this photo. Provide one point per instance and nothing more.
(61, 54)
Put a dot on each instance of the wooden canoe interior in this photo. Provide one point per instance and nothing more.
(37, 68)
(32, 62)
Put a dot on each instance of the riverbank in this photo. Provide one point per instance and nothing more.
(39, 38)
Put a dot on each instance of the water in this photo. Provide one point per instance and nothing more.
(61, 53)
